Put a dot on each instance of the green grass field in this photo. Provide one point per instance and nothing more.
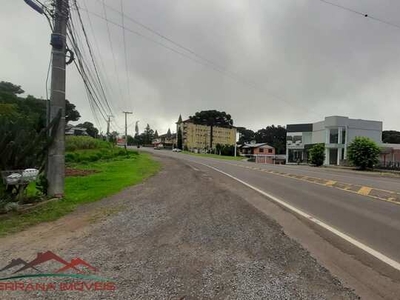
(214, 156)
(112, 177)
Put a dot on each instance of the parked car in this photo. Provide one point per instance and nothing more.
(176, 150)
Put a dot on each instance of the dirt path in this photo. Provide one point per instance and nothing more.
(178, 236)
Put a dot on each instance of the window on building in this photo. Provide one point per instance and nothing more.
(289, 138)
(261, 150)
(334, 136)
(269, 150)
(344, 136)
(297, 138)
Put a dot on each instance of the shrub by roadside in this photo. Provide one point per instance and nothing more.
(363, 153)
(85, 156)
(317, 154)
(74, 143)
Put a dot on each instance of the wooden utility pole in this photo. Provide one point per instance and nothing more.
(126, 127)
(55, 169)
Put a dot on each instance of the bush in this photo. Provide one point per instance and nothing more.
(317, 154)
(363, 153)
(86, 156)
(74, 143)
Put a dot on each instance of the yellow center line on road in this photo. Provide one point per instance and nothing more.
(365, 190)
(330, 183)
(377, 194)
(364, 247)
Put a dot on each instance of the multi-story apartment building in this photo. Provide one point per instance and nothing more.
(335, 132)
(196, 137)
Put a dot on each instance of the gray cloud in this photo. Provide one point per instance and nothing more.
(319, 60)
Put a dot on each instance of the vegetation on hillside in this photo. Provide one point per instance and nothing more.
(391, 137)
(74, 143)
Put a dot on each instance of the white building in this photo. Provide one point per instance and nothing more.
(335, 132)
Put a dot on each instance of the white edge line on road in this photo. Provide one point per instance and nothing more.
(344, 236)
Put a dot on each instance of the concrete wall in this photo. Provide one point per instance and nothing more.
(318, 134)
(307, 138)
(370, 129)
(354, 128)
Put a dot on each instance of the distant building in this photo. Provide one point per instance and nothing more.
(255, 149)
(335, 132)
(196, 137)
(390, 154)
(167, 140)
(72, 130)
(261, 153)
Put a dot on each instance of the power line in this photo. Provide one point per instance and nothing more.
(112, 49)
(106, 79)
(91, 55)
(126, 55)
(360, 13)
(83, 69)
(173, 42)
(207, 61)
(206, 64)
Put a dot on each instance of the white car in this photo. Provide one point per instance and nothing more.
(176, 150)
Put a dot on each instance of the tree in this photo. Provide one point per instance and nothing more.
(274, 136)
(218, 148)
(363, 152)
(391, 136)
(245, 135)
(33, 108)
(148, 135)
(131, 140)
(113, 137)
(212, 118)
(90, 129)
(71, 114)
(317, 154)
(179, 142)
(10, 88)
(228, 150)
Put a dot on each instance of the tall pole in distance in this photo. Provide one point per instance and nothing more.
(126, 127)
(108, 128)
(55, 169)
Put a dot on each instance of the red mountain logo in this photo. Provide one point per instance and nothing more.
(73, 275)
(49, 256)
(74, 263)
(16, 262)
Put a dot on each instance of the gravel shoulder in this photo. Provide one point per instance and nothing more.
(179, 235)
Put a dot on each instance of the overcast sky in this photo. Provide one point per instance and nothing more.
(293, 60)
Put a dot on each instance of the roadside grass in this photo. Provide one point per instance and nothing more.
(113, 175)
(238, 158)
(74, 143)
(91, 155)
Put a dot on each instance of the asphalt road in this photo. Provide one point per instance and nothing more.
(372, 222)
